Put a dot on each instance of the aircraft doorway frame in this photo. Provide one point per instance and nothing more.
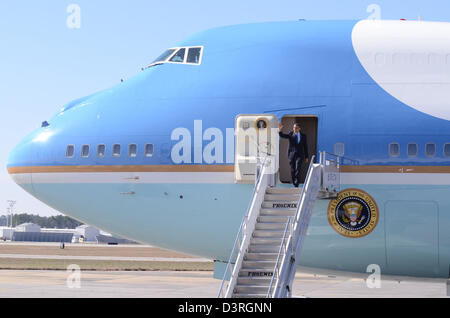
(310, 126)
(256, 136)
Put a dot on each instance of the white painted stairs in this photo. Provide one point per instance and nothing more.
(259, 260)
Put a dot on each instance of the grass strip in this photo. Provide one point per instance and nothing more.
(100, 265)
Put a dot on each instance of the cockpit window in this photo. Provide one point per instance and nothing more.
(179, 56)
(194, 55)
(164, 56)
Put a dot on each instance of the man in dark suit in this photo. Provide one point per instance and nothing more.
(297, 151)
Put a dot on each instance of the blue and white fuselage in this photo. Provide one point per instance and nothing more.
(379, 89)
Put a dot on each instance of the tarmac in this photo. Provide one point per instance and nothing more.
(156, 284)
(180, 283)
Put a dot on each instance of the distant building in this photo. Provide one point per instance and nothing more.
(6, 233)
(42, 237)
(28, 227)
(29, 232)
(89, 233)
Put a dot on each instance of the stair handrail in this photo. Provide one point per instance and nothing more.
(229, 267)
(277, 267)
(292, 238)
(241, 232)
(304, 189)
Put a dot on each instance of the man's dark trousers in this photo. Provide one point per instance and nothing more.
(295, 161)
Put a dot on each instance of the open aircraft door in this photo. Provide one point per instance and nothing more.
(256, 138)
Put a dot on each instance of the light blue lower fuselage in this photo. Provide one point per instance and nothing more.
(411, 237)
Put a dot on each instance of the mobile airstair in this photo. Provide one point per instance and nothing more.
(269, 242)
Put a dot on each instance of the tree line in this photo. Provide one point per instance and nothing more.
(58, 221)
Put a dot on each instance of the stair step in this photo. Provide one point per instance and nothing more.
(280, 204)
(281, 197)
(266, 264)
(264, 248)
(249, 296)
(255, 272)
(264, 281)
(266, 240)
(251, 289)
(288, 212)
(280, 226)
(272, 219)
(269, 233)
(260, 256)
(284, 190)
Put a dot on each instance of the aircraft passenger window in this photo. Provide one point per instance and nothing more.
(179, 56)
(394, 150)
(339, 149)
(85, 151)
(164, 56)
(149, 150)
(101, 149)
(447, 150)
(430, 149)
(132, 150)
(412, 150)
(70, 151)
(194, 55)
(116, 150)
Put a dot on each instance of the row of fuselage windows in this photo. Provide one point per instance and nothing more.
(116, 150)
(412, 150)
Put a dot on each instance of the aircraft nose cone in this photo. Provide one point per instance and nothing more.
(20, 163)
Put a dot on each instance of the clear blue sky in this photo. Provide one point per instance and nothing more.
(44, 64)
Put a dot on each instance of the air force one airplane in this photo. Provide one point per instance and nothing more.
(164, 158)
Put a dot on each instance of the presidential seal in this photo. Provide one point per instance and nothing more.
(354, 213)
